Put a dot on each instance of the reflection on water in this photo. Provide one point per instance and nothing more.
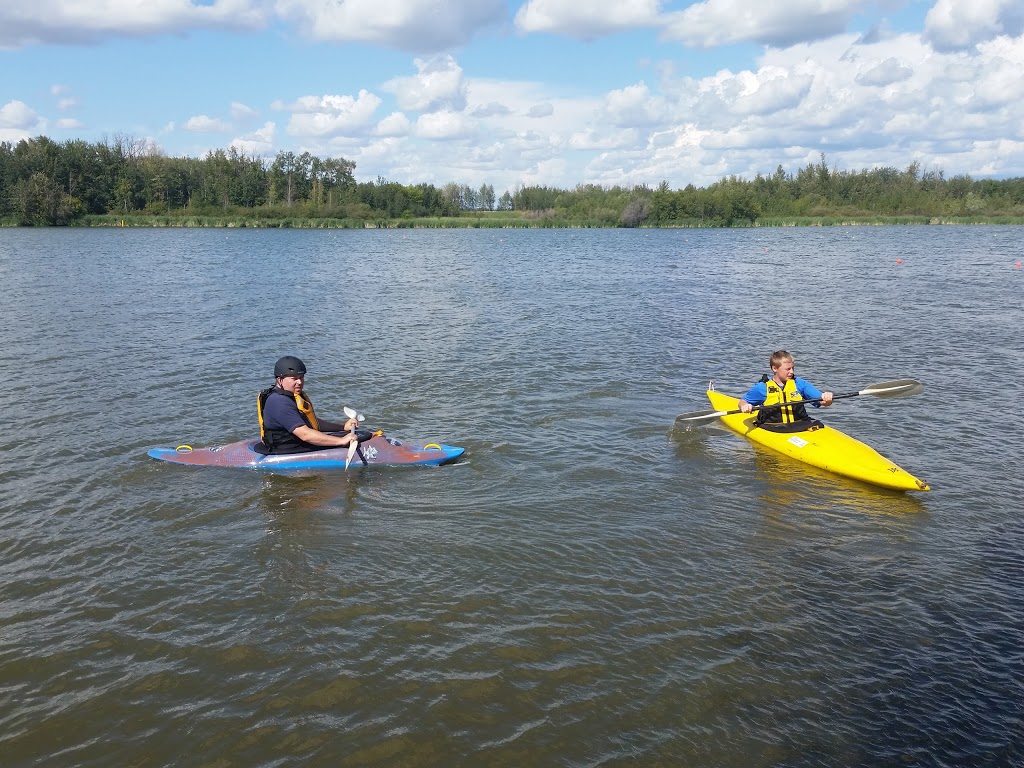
(300, 493)
(299, 512)
(798, 487)
(787, 491)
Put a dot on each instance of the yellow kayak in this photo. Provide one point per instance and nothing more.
(824, 447)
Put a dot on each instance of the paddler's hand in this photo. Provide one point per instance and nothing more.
(745, 407)
(351, 425)
(826, 398)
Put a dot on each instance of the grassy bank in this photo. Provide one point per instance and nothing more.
(488, 220)
(500, 220)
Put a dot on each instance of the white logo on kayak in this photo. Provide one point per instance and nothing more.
(370, 453)
(799, 442)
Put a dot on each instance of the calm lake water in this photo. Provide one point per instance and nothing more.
(585, 587)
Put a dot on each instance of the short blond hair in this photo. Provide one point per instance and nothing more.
(778, 357)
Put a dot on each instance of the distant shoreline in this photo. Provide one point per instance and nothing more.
(503, 220)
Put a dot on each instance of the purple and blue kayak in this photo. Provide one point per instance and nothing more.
(377, 451)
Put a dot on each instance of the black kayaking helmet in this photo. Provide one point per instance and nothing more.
(289, 366)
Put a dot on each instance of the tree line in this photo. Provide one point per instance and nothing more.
(45, 183)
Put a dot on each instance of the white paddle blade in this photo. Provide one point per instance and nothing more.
(352, 413)
(898, 388)
(351, 451)
(684, 419)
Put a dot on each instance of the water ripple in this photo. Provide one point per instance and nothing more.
(587, 586)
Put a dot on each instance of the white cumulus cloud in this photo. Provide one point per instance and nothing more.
(18, 114)
(19, 121)
(414, 25)
(772, 22)
(586, 19)
(883, 73)
(205, 124)
(259, 142)
(953, 25)
(332, 115)
(443, 125)
(771, 91)
(60, 22)
(603, 138)
(395, 124)
(634, 105)
(490, 109)
(437, 84)
(241, 111)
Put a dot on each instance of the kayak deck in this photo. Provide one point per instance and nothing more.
(378, 451)
(826, 448)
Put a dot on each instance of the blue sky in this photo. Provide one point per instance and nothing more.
(556, 92)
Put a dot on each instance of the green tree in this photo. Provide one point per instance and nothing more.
(41, 202)
(486, 197)
(284, 171)
(636, 211)
(336, 175)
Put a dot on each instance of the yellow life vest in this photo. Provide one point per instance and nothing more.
(306, 409)
(777, 396)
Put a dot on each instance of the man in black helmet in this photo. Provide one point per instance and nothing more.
(287, 421)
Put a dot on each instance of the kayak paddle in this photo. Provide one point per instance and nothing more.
(897, 388)
(354, 445)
